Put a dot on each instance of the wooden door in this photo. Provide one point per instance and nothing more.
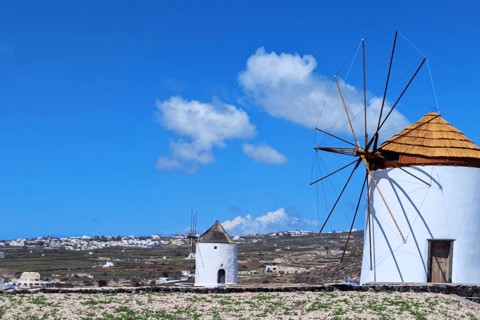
(440, 262)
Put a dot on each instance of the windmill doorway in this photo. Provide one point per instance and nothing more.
(221, 276)
(440, 257)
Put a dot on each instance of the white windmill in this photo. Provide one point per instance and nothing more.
(423, 203)
(216, 261)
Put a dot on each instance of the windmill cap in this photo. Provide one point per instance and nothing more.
(432, 137)
(216, 234)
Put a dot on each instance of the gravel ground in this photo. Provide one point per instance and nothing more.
(242, 306)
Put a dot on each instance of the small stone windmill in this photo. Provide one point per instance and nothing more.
(216, 261)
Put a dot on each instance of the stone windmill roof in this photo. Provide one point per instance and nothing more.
(216, 234)
(432, 137)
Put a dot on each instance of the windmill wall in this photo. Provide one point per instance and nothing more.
(210, 258)
(449, 209)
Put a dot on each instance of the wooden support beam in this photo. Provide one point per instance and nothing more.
(353, 221)
(346, 112)
(328, 175)
(385, 93)
(335, 137)
(369, 224)
(364, 94)
(338, 199)
(381, 195)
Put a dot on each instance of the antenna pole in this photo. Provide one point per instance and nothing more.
(354, 216)
(386, 87)
(194, 230)
(364, 93)
(191, 231)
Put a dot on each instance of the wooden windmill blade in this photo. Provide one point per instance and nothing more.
(364, 94)
(346, 112)
(383, 198)
(344, 151)
(386, 88)
(354, 216)
(366, 148)
(330, 174)
(341, 193)
(335, 136)
(375, 136)
(369, 224)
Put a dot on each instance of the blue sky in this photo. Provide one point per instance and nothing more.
(118, 117)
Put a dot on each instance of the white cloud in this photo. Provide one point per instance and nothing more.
(263, 153)
(201, 126)
(285, 86)
(279, 220)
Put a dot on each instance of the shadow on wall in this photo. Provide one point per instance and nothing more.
(399, 192)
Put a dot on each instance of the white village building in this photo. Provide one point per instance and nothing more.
(438, 210)
(30, 277)
(215, 258)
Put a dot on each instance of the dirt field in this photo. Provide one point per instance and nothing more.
(242, 306)
(312, 259)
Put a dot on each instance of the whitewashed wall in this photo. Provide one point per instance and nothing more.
(449, 209)
(209, 260)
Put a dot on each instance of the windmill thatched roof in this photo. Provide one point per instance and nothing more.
(432, 137)
(216, 234)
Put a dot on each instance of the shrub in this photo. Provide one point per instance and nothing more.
(102, 283)
(136, 282)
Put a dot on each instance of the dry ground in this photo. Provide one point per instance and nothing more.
(242, 306)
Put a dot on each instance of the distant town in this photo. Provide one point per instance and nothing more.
(99, 242)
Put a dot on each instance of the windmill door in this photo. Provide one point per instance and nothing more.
(221, 276)
(441, 261)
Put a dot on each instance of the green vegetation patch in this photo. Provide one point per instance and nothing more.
(311, 305)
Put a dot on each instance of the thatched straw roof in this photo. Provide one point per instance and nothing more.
(216, 234)
(432, 137)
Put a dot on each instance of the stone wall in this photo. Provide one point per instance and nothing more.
(462, 290)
